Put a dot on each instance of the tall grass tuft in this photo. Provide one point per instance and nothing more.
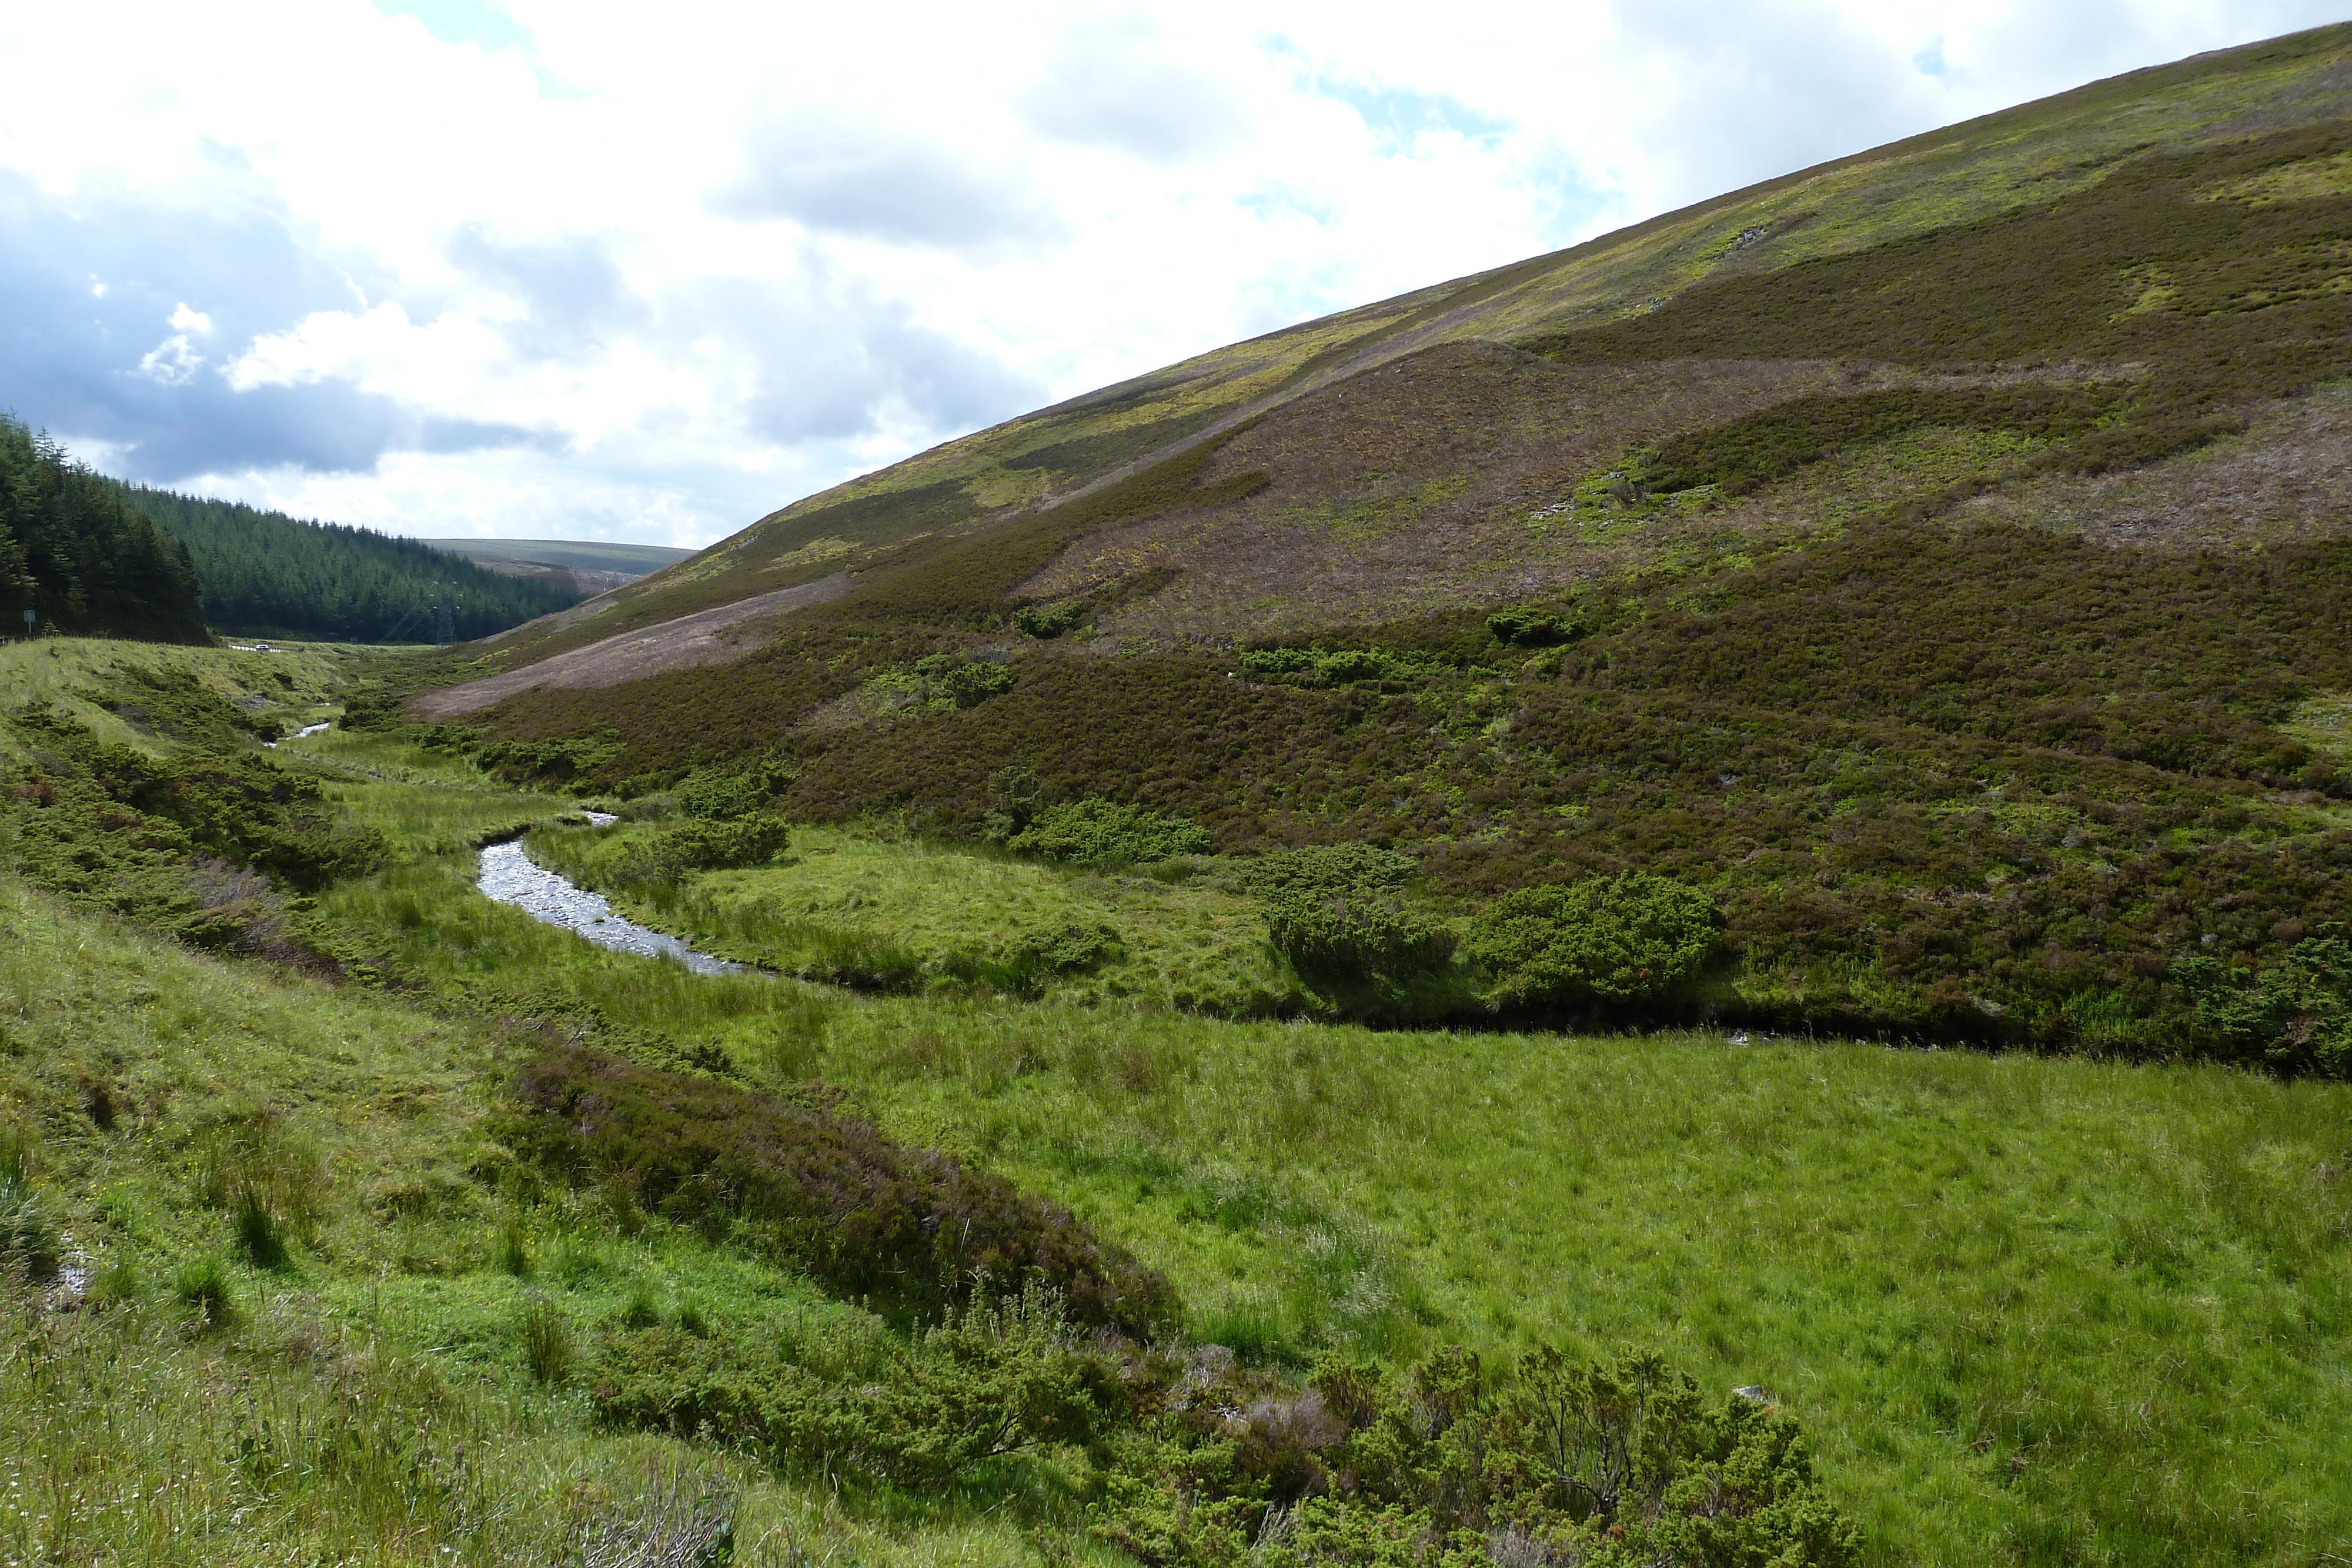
(29, 1244)
(258, 1235)
(203, 1287)
(270, 1180)
(546, 1342)
(513, 1251)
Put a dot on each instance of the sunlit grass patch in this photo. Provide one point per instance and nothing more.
(901, 912)
(436, 818)
(65, 670)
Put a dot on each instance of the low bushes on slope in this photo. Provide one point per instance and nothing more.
(1096, 832)
(1334, 911)
(822, 1189)
(663, 855)
(1604, 1464)
(190, 841)
(2296, 1014)
(1199, 1461)
(1001, 1378)
(1616, 941)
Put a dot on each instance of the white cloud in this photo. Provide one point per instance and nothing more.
(576, 267)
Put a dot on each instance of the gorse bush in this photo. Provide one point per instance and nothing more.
(1354, 930)
(950, 680)
(997, 1377)
(1622, 939)
(1047, 621)
(1612, 1464)
(717, 795)
(1096, 832)
(825, 1191)
(1329, 868)
(1066, 947)
(2293, 1016)
(1333, 911)
(1533, 628)
(97, 819)
(663, 855)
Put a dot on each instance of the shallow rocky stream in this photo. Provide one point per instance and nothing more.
(510, 876)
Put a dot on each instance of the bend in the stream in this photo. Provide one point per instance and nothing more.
(512, 877)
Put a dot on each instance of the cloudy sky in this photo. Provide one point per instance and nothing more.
(563, 268)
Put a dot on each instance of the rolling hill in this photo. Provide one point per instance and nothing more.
(587, 566)
(1938, 558)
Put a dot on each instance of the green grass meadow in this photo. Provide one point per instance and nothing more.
(2027, 1310)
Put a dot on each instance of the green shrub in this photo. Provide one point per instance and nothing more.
(1627, 938)
(29, 1241)
(1047, 621)
(1013, 799)
(952, 679)
(715, 795)
(1604, 1464)
(823, 1190)
(2295, 1016)
(1066, 947)
(1532, 628)
(993, 1379)
(1332, 911)
(1329, 868)
(664, 855)
(372, 710)
(1096, 832)
(1354, 932)
(202, 1286)
(96, 819)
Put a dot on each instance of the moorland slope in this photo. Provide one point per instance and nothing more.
(1937, 559)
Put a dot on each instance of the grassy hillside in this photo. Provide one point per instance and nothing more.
(1938, 559)
(2024, 1310)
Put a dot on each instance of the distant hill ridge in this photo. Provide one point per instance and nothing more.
(589, 566)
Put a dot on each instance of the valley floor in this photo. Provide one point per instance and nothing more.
(2027, 1310)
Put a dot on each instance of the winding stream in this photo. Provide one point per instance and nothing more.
(510, 876)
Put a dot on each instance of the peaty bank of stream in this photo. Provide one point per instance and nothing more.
(510, 876)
